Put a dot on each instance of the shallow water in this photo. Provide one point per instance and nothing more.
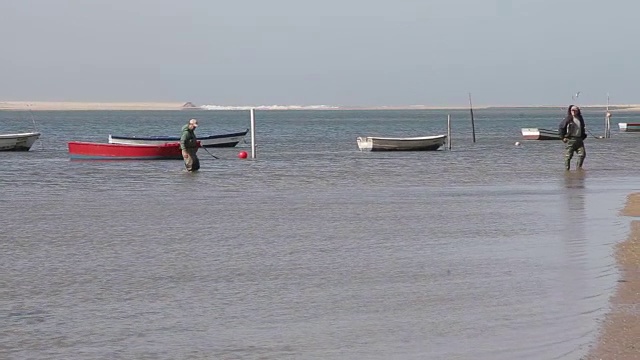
(314, 250)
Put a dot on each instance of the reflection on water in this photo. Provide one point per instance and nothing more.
(575, 179)
(573, 236)
(574, 192)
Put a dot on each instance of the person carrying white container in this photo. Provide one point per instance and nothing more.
(572, 132)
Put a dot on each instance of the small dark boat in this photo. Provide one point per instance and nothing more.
(221, 140)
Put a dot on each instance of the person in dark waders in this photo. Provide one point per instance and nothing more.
(189, 146)
(572, 132)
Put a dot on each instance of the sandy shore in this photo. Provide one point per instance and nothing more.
(620, 336)
(68, 106)
(62, 106)
(630, 108)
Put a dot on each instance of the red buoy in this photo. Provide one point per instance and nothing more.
(242, 154)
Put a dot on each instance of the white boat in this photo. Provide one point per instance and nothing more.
(540, 134)
(423, 143)
(629, 127)
(221, 140)
(18, 142)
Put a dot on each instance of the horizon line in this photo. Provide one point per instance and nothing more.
(166, 105)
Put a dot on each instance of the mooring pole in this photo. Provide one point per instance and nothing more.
(449, 131)
(607, 121)
(253, 133)
(473, 127)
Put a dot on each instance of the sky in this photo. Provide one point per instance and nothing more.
(331, 52)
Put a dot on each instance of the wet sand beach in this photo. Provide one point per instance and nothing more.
(620, 336)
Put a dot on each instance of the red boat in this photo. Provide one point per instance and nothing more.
(99, 151)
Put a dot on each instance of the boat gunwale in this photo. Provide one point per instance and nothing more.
(177, 138)
(419, 138)
(19, 135)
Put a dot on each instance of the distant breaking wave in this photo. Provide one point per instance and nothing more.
(271, 107)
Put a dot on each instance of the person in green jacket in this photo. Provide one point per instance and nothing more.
(189, 145)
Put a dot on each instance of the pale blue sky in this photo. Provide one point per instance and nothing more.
(335, 52)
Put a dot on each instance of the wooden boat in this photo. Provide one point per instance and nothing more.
(101, 151)
(18, 142)
(540, 134)
(423, 143)
(221, 140)
(629, 127)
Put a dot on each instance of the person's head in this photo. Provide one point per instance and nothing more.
(193, 123)
(573, 110)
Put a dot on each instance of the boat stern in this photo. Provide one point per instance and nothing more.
(364, 143)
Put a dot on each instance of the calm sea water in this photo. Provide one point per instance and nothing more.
(314, 250)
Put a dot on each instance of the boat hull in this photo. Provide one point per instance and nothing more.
(98, 151)
(629, 127)
(424, 143)
(540, 134)
(18, 142)
(211, 141)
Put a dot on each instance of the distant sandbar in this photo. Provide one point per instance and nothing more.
(68, 106)
(159, 106)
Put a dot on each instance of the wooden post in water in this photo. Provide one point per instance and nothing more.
(449, 131)
(253, 133)
(607, 121)
(473, 127)
(35, 128)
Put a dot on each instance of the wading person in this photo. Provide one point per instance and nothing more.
(189, 146)
(572, 132)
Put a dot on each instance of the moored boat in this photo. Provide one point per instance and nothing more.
(629, 127)
(422, 143)
(101, 151)
(220, 140)
(18, 142)
(540, 134)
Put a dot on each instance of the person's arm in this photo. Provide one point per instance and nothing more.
(562, 129)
